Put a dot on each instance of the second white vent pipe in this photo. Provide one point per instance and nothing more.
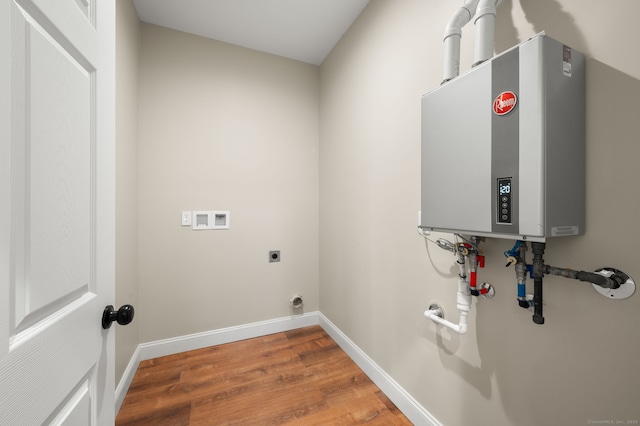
(485, 29)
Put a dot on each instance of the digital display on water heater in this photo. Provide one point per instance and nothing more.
(504, 187)
(504, 207)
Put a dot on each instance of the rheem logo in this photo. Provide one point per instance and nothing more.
(504, 103)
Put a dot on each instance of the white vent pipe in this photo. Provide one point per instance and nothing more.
(485, 29)
(485, 20)
(452, 36)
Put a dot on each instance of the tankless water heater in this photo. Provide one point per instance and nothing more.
(503, 146)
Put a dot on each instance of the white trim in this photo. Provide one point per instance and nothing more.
(400, 397)
(126, 379)
(415, 412)
(224, 335)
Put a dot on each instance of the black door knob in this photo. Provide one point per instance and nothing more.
(122, 316)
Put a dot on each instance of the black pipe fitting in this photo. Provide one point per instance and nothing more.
(538, 274)
(524, 304)
(614, 281)
(561, 272)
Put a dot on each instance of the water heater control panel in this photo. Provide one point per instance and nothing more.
(503, 209)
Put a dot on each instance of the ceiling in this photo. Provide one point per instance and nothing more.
(304, 30)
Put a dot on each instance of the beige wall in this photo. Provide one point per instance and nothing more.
(221, 127)
(128, 39)
(224, 128)
(377, 276)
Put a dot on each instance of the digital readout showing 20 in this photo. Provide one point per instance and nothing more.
(504, 201)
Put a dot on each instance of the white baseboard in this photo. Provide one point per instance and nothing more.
(415, 412)
(127, 378)
(400, 397)
(221, 336)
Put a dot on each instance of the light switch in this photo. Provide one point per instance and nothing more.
(186, 218)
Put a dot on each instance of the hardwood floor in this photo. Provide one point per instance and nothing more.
(296, 377)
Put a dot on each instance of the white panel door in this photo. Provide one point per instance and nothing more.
(57, 62)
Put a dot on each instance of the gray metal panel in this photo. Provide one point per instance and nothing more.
(504, 139)
(564, 74)
(463, 153)
(531, 138)
(456, 153)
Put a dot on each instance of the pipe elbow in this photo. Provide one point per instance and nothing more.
(436, 315)
(460, 18)
(486, 7)
(457, 21)
(484, 12)
(430, 313)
